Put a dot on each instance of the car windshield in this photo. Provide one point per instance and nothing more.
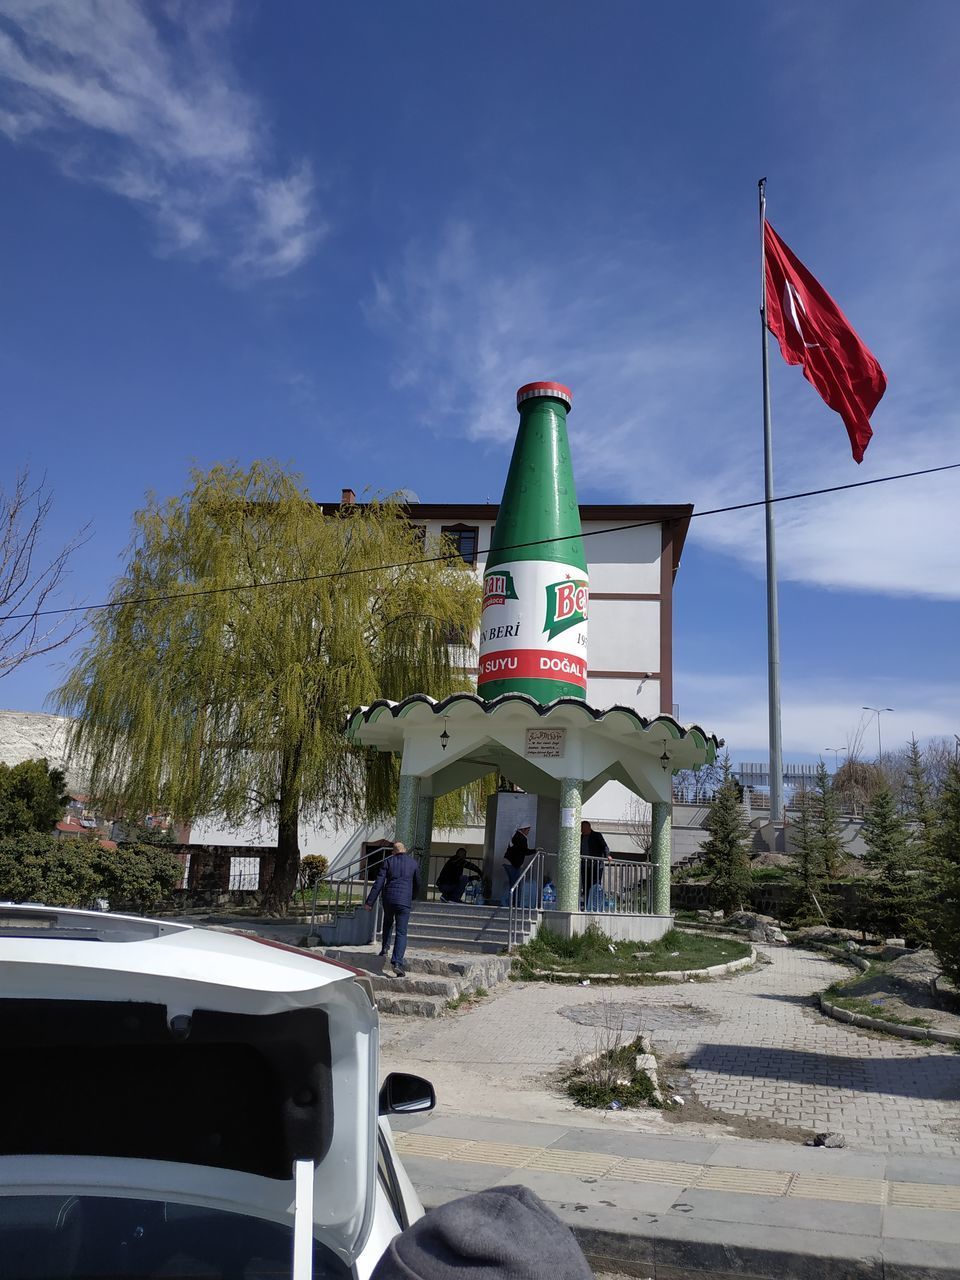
(59, 1237)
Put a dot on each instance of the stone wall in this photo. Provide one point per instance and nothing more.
(772, 899)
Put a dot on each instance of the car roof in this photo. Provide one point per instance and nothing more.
(76, 954)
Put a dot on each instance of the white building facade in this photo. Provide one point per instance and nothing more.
(633, 553)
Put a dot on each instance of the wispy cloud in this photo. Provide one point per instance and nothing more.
(665, 365)
(816, 715)
(141, 98)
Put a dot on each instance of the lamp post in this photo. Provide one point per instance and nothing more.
(836, 756)
(878, 711)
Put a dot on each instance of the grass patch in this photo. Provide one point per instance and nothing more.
(593, 952)
(864, 1005)
(612, 1076)
(468, 998)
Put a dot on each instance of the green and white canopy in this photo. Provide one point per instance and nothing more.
(450, 743)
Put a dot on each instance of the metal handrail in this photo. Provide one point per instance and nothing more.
(526, 900)
(615, 886)
(346, 889)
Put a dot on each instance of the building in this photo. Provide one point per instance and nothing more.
(633, 552)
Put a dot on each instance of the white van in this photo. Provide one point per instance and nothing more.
(185, 1102)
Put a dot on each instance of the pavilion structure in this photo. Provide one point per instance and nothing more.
(564, 750)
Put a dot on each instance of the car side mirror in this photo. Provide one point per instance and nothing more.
(402, 1094)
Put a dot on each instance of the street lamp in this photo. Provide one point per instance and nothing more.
(836, 756)
(878, 711)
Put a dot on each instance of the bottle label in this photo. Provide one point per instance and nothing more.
(534, 623)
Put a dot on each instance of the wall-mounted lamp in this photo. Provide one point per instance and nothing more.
(665, 761)
(444, 737)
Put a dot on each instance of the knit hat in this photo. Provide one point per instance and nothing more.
(503, 1233)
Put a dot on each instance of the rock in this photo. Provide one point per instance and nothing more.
(829, 1140)
(763, 958)
(716, 915)
(827, 933)
(895, 942)
(851, 945)
(768, 933)
(892, 951)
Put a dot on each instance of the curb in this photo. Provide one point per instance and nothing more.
(663, 975)
(699, 1249)
(891, 1028)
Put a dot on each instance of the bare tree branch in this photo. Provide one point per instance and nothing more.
(29, 582)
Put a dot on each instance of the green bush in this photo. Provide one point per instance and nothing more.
(75, 872)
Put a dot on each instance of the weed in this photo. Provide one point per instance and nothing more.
(467, 997)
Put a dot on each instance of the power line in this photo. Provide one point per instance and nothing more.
(412, 564)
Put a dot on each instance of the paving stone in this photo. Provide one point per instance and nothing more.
(754, 1050)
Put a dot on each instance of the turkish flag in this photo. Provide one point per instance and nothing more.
(814, 332)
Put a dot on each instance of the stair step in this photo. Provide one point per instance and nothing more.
(456, 908)
(415, 984)
(411, 1004)
(467, 970)
(494, 929)
(475, 946)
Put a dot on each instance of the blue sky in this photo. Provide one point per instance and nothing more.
(342, 235)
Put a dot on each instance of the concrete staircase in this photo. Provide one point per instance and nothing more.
(434, 978)
(454, 926)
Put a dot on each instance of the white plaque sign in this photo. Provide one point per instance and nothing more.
(545, 744)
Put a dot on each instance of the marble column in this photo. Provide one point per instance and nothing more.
(408, 794)
(568, 860)
(660, 849)
(423, 838)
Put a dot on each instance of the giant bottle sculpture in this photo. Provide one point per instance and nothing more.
(533, 635)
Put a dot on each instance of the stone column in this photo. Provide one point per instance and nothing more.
(408, 793)
(423, 839)
(660, 848)
(568, 860)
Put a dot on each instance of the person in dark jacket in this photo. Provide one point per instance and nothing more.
(453, 876)
(516, 855)
(593, 851)
(399, 881)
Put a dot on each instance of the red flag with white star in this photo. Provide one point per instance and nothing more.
(814, 332)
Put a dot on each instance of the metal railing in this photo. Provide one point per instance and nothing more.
(608, 885)
(526, 898)
(343, 891)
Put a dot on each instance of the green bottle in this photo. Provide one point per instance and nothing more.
(533, 635)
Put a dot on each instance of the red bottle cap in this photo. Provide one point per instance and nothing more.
(556, 390)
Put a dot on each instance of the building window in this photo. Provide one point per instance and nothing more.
(465, 538)
(244, 873)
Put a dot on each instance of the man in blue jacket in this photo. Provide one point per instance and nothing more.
(399, 881)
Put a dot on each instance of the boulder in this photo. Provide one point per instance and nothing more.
(827, 933)
(768, 933)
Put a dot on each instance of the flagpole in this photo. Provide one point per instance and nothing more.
(773, 621)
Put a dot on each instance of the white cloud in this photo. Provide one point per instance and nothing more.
(664, 362)
(141, 99)
(816, 715)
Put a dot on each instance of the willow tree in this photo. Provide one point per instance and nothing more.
(247, 624)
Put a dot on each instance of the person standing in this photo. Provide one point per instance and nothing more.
(516, 855)
(399, 881)
(593, 850)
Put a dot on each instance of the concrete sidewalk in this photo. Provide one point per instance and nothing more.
(671, 1207)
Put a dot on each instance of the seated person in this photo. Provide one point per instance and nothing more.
(453, 876)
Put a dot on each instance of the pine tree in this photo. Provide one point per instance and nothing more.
(826, 824)
(945, 916)
(808, 871)
(726, 853)
(888, 898)
(919, 808)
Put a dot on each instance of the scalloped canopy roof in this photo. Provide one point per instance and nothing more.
(381, 723)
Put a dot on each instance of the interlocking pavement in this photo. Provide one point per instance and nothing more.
(754, 1047)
